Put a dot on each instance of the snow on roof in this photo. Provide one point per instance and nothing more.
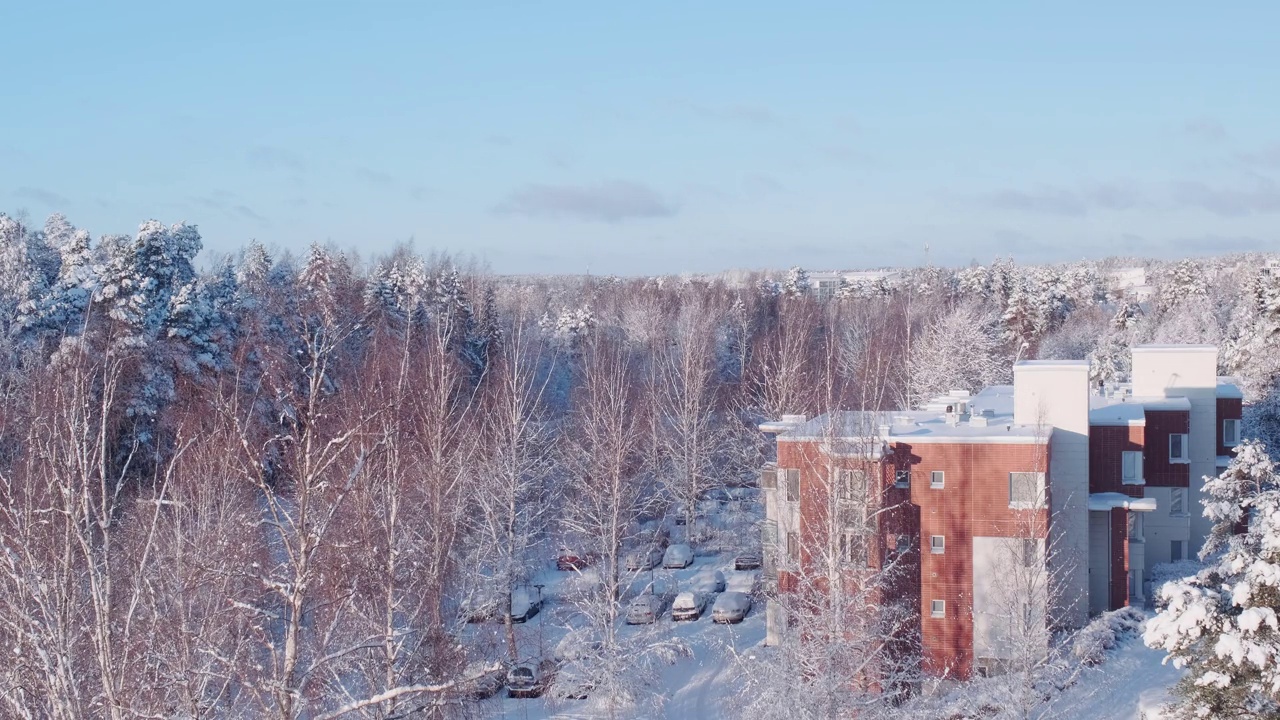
(1223, 461)
(862, 432)
(1229, 387)
(1123, 409)
(1112, 412)
(1051, 365)
(1175, 348)
(1112, 500)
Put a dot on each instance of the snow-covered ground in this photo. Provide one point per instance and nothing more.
(693, 687)
(1131, 685)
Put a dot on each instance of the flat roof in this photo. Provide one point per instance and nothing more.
(919, 426)
(1174, 348)
(1229, 387)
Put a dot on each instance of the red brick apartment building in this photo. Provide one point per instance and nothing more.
(1039, 503)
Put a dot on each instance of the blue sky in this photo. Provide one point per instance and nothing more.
(655, 137)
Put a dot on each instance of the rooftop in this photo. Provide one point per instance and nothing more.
(989, 419)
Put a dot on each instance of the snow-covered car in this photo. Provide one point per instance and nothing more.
(708, 582)
(481, 605)
(525, 603)
(678, 556)
(644, 558)
(644, 609)
(731, 607)
(481, 681)
(747, 561)
(530, 678)
(573, 682)
(576, 644)
(688, 606)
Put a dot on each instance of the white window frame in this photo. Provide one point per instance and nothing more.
(938, 608)
(902, 479)
(1131, 468)
(937, 544)
(792, 482)
(1178, 502)
(937, 479)
(1185, 457)
(851, 484)
(1231, 439)
(1030, 552)
(1038, 502)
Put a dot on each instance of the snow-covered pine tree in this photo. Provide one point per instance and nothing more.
(1221, 624)
(797, 282)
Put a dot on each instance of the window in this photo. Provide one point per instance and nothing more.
(769, 478)
(1026, 489)
(1131, 467)
(1178, 501)
(936, 479)
(1230, 433)
(793, 484)
(1029, 553)
(1135, 525)
(851, 485)
(793, 546)
(937, 544)
(1178, 448)
(1175, 550)
(938, 608)
(903, 544)
(902, 479)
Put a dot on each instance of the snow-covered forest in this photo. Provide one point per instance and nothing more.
(280, 486)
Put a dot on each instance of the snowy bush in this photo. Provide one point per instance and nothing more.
(1091, 644)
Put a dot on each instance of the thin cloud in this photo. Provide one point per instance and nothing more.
(41, 195)
(739, 113)
(248, 213)
(1262, 197)
(1268, 157)
(1046, 200)
(1205, 129)
(269, 157)
(374, 177)
(1054, 200)
(610, 202)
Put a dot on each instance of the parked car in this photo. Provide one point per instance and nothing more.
(708, 582)
(481, 605)
(645, 609)
(569, 558)
(644, 559)
(525, 603)
(731, 607)
(576, 644)
(688, 605)
(677, 556)
(747, 561)
(530, 678)
(482, 681)
(573, 682)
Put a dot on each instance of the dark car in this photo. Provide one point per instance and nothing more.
(747, 561)
(530, 678)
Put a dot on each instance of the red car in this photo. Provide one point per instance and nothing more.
(570, 559)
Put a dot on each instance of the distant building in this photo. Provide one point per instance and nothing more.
(1090, 485)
